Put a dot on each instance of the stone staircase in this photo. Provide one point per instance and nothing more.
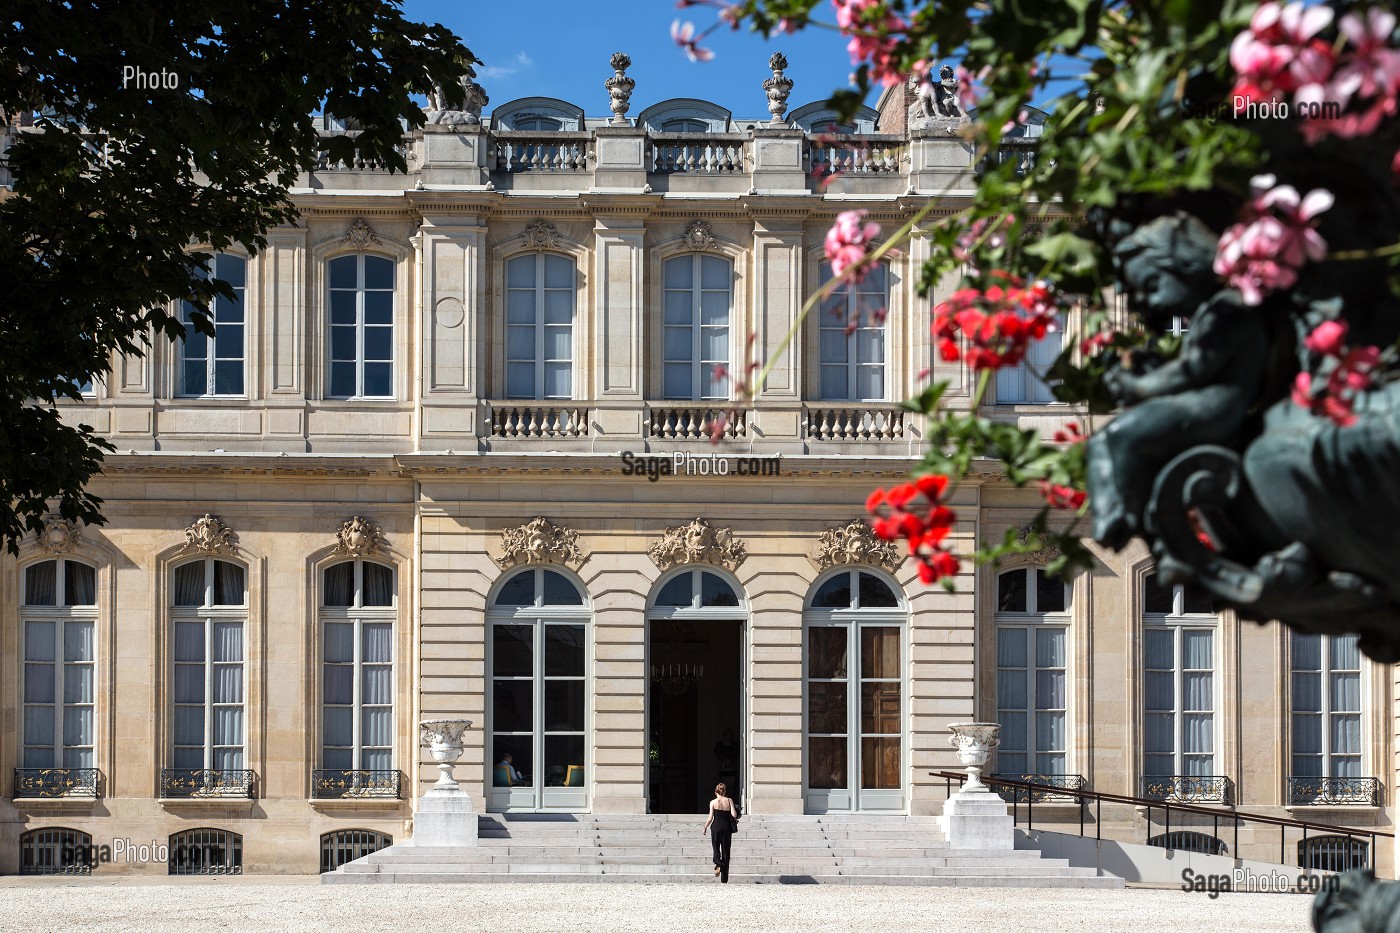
(830, 849)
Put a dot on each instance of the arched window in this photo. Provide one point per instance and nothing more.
(1333, 853)
(538, 704)
(538, 124)
(855, 712)
(345, 845)
(55, 850)
(1179, 689)
(685, 125)
(205, 851)
(695, 327)
(361, 327)
(58, 623)
(214, 365)
(696, 589)
(209, 616)
(357, 680)
(1326, 708)
(852, 338)
(1025, 383)
(1032, 625)
(539, 326)
(1186, 840)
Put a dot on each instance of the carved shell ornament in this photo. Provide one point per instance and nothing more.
(539, 541)
(854, 543)
(699, 235)
(1042, 556)
(59, 536)
(358, 537)
(541, 234)
(208, 535)
(360, 235)
(697, 543)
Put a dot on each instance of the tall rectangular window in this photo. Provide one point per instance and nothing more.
(852, 339)
(361, 315)
(1025, 382)
(539, 326)
(58, 626)
(695, 327)
(214, 365)
(1326, 700)
(1178, 683)
(357, 674)
(1032, 627)
(209, 615)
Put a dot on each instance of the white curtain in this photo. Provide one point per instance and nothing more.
(39, 641)
(377, 645)
(228, 641)
(228, 727)
(229, 759)
(39, 726)
(338, 728)
(1011, 647)
(77, 725)
(1346, 692)
(78, 757)
(1199, 688)
(189, 641)
(1011, 689)
(1346, 655)
(1198, 734)
(1197, 649)
(1158, 654)
(189, 584)
(339, 642)
(1050, 647)
(77, 641)
(41, 583)
(39, 682)
(1049, 690)
(1346, 735)
(1307, 691)
(77, 683)
(375, 727)
(80, 580)
(375, 686)
(1050, 732)
(189, 728)
(228, 683)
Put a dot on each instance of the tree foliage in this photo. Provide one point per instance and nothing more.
(123, 187)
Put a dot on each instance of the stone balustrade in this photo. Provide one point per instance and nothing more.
(514, 152)
(710, 154)
(868, 422)
(682, 421)
(538, 419)
(870, 154)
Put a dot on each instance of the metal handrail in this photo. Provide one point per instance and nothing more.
(1098, 797)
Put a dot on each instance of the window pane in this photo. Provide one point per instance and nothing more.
(520, 380)
(879, 652)
(558, 272)
(513, 705)
(1197, 648)
(564, 761)
(520, 342)
(715, 592)
(558, 380)
(376, 726)
(227, 641)
(228, 584)
(1307, 652)
(834, 593)
(520, 307)
(342, 380)
(379, 343)
(378, 585)
(676, 343)
(520, 272)
(1346, 735)
(379, 309)
(194, 377)
(676, 309)
(1159, 690)
(1307, 692)
(714, 308)
(80, 584)
(39, 686)
(513, 651)
(563, 705)
(559, 307)
(875, 594)
(339, 584)
(714, 273)
(378, 647)
(379, 273)
(189, 728)
(1346, 655)
(519, 590)
(680, 272)
(1050, 732)
(879, 763)
(1050, 647)
(1049, 593)
(563, 651)
(558, 591)
(1011, 647)
(522, 751)
(1196, 602)
(339, 684)
(342, 272)
(826, 651)
(342, 310)
(826, 707)
(677, 592)
(1158, 652)
(39, 641)
(1346, 692)
(870, 382)
(1011, 591)
(880, 709)
(228, 377)
(1156, 598)
(676, 382)
(1011, 689)
(1158, 737)
(379, 380)
(1050, 690)
(1013, 730)
(826, 762)
(835, 384)
(77, 683)
(40, 583)
(77, 641)
(342, 343)
(189, 641)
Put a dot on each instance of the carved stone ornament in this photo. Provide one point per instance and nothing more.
(474, 98)
(541, 234)
(208, 535)
(936, 104)
(697, 543)
(620, 88)
(60, 535)
(778, 87)
(699, 235)
(539, 541)
(1042, 556)
(854, 543)
(359, 537)
(360, 235)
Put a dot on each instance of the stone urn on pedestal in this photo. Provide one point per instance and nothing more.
(974, 817)
(445, 815)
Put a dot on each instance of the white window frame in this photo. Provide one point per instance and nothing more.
(61, 616)
(857, 298)
(538, 360)
(1024, 383)
(699, 367)
(1326, 713)
(1177, 622)
(360, 326)
(211, 342)
(1030, 622)
(358, 615)
(853, 797)
(207, 614)
(536, 796)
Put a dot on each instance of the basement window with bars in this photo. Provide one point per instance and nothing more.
(206, 851)
(55, 851)
(346, 845)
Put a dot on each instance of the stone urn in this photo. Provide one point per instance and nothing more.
(443, 739)
(974, 742)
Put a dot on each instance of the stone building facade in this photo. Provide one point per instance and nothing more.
(450, 455)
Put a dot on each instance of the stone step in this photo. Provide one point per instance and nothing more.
(707, 877)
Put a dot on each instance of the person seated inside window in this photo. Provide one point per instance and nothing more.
(506, 774)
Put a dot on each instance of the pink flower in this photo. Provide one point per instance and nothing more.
(1279, 53)
(848, 242)
(1263, 253)
(870, 25)
(1327, 338)
(1371, 68)
(684, 36)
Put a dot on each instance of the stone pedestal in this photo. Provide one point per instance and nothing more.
(444, 818)
(977, 819)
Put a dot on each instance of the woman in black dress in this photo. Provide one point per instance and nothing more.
(725, 819)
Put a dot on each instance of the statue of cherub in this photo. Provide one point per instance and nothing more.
(1202, 396)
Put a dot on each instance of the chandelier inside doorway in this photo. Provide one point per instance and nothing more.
(676, 679)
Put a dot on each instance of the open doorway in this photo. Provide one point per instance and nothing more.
(695, 702)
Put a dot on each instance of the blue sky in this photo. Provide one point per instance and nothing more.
(560, 48)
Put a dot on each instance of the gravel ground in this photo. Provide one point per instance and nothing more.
(279, 904)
